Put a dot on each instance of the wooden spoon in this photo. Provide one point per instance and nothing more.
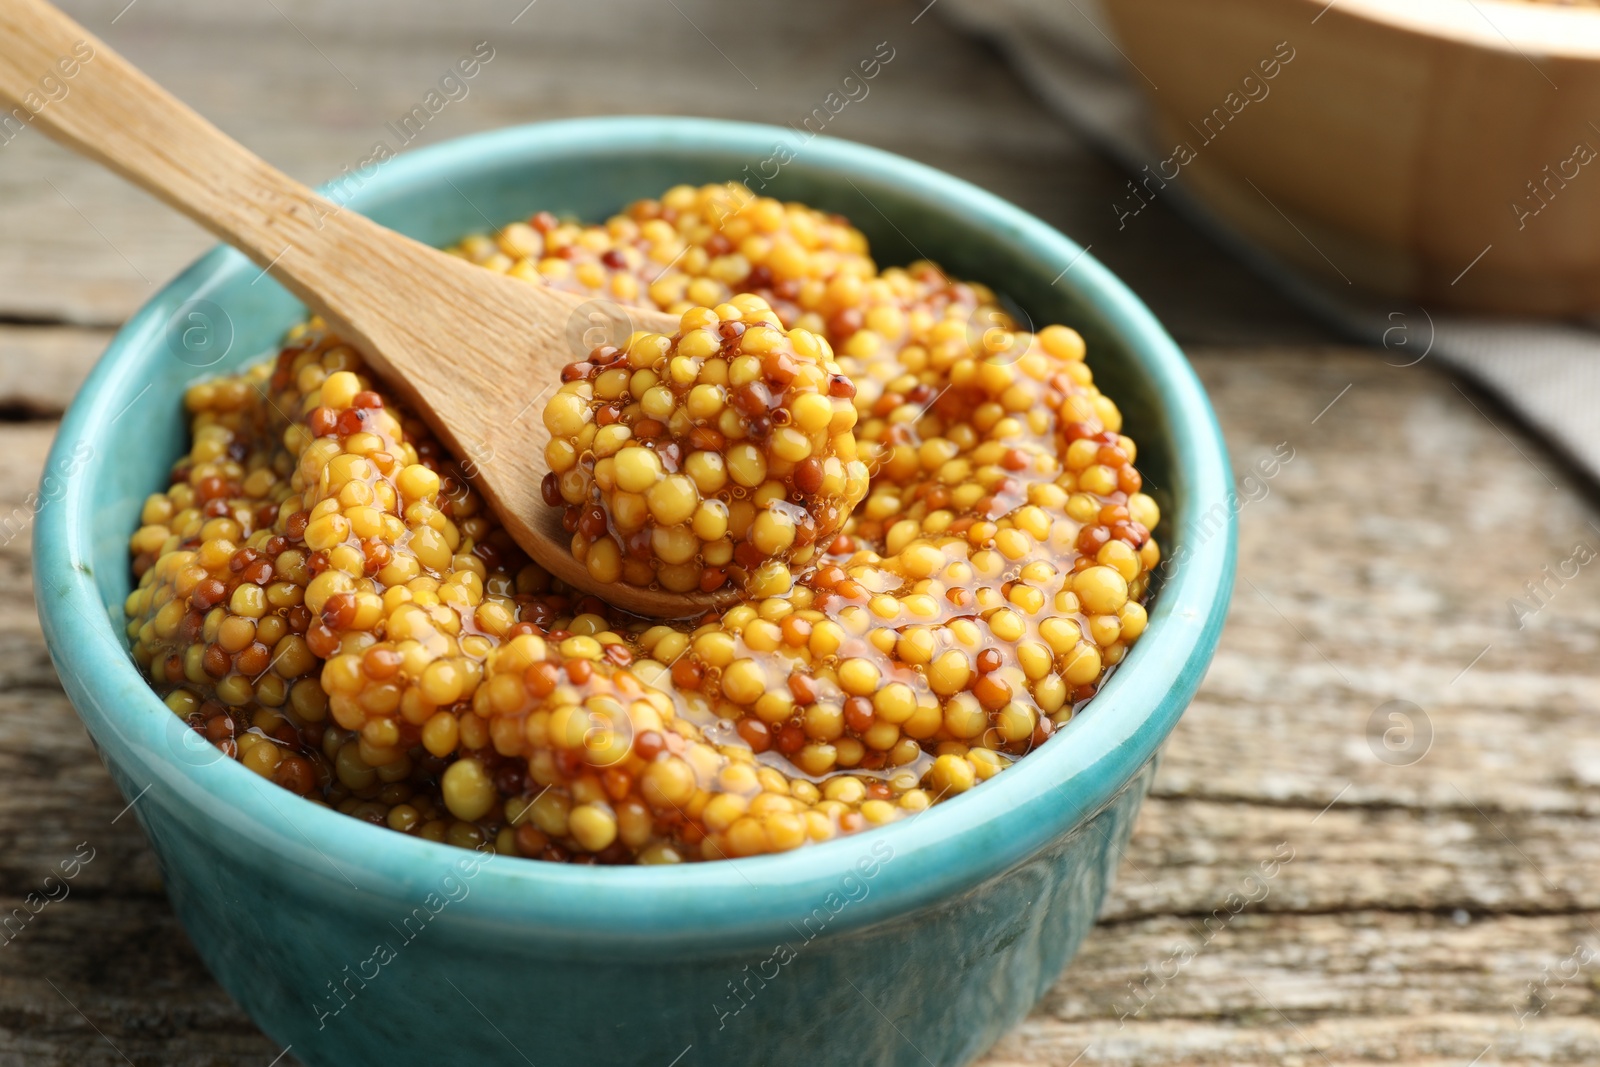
(474, 353)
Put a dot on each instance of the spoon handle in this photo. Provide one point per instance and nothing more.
(467, 349)
(397, 300)
(59, 77)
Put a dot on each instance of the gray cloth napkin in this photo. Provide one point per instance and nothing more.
(1548, 372)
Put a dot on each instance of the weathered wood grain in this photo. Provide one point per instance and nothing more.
(1361, 987)
(1380, 565)
(41, 367)
(1268, 1039)
(101, 979)
(1505, 969)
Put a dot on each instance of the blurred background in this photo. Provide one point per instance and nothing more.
(1418, 754)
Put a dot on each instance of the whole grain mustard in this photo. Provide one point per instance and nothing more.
(938, 528)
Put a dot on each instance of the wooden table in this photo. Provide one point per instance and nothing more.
(1435, 898)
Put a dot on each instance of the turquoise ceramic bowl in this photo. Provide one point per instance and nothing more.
(919, 944)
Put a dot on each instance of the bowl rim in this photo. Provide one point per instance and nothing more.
(956, 846)
(1516, 27)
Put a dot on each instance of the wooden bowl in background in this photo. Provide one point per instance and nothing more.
(1447, 151)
